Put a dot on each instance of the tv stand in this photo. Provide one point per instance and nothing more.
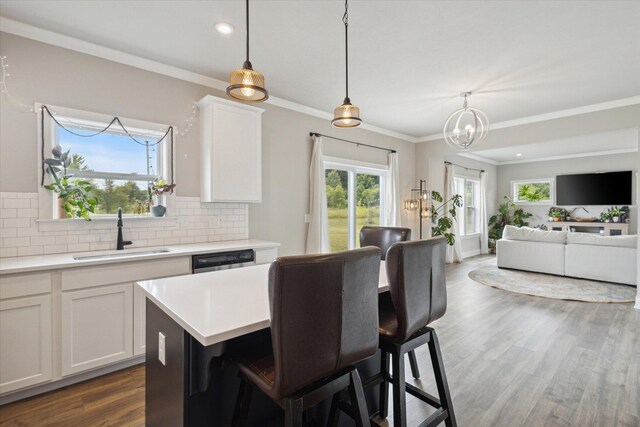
(602, 228)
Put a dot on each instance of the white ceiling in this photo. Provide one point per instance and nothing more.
(409, 59)
(619, 141)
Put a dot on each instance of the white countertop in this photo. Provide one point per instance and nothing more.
(217, 306)
(59, 261)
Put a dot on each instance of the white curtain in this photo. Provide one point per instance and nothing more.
(318, 234)
(392, 194)
(454, 253)
(484, 232)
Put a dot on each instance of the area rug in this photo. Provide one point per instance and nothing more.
(549, 286)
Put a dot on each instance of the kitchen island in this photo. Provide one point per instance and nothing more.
(189, 321)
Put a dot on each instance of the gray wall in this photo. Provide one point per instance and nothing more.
(56, 76)
(549, 169)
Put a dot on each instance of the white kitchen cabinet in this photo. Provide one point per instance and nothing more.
(25, 342)
(97, 327)
(139, 320)
(266, 256)
(231, 151)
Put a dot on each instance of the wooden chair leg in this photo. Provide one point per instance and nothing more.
(414, 364)
(293, 413)
(356, 393)
(399, 392)
(441, 379)
(384, 386)
(241, 411)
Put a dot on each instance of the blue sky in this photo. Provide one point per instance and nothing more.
(108, 152)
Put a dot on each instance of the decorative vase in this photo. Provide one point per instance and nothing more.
(158, 210)
(556, 218)
(550, 218)
(616, 219)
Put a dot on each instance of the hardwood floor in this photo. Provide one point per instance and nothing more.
(511, 360)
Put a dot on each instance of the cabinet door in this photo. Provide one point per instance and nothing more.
(25, 342)
(231, 140)
(97, 327)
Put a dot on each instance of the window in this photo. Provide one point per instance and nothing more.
(354, 199)
(533, 191)
(469, 214)
(119, 168)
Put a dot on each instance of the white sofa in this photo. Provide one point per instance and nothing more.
(583, 255)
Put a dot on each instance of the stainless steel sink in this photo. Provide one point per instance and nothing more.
(122, 254)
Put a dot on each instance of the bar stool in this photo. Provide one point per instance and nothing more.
(384, 237)
(324, 319)
(416, 274)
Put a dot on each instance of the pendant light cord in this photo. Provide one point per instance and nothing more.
(247, 30)
(345, 19)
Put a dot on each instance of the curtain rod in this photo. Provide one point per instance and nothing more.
(464, 167)
(351, 142)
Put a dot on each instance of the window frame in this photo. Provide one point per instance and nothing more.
(462, 213)
(552, 190)
(353, 167)
(47, 200)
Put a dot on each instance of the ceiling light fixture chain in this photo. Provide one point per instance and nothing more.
(346, 115)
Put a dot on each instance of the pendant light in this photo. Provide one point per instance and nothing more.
(247, 84)
(465, 126)
(347, 115)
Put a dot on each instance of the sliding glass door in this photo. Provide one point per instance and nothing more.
(354, 199)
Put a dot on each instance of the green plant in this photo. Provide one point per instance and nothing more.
(555, 212)
(442, 216)
(74, 192)
(615, 211)
(508, 214)
(159, 186)
(605, 216)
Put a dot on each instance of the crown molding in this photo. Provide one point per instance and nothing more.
(67, 42)
(549, 158)
(625, 102)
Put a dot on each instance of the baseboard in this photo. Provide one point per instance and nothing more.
(471, 253)
(53, 385)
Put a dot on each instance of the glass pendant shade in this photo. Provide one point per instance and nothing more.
(247, 85)
(466, 126)
(346, 115)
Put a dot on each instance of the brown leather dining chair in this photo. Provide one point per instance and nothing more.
(416, 275)
(324, 319)
(384, 237)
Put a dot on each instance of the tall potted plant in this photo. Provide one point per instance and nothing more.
(508, 214)
(442, 216)
(74, 196)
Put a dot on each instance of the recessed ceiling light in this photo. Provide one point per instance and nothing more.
(224, 28)
(518, 154)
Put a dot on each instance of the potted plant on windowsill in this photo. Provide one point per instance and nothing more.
(158, 188)
(74, 199)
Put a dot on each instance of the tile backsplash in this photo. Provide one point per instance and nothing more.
(22, 234)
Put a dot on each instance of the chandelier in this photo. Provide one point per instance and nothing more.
(465, 126)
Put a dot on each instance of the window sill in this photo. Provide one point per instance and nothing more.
(107, 218)
(470, 236)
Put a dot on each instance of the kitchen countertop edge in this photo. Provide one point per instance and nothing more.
(29, 264)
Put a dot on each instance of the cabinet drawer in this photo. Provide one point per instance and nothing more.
(22, 285)
(86, 277)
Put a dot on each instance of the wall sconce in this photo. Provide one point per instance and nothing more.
(419, 201)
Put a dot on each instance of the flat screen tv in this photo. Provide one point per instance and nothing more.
(609, 188)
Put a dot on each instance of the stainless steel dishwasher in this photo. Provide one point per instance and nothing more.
(222, 260)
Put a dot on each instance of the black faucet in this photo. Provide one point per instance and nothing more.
(121, 243)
